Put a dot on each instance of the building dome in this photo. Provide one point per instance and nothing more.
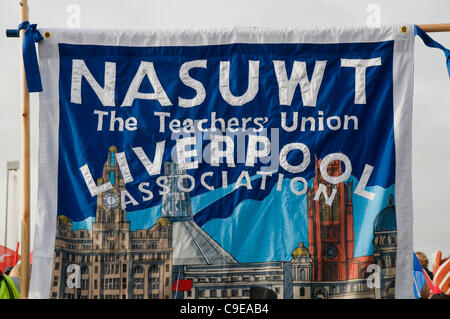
(63, 219)
(301, 251)
(163, 221)
(113, 149)
(386, 219)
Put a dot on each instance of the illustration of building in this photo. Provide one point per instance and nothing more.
(301, 272)
(114, 262)
(330, 230)
(233, 281)
(327, 269)
(385, 247)
(191, 244)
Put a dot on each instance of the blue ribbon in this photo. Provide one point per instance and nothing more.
(433, 44)
(30, 61)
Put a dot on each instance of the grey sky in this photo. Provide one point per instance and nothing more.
(431, 118)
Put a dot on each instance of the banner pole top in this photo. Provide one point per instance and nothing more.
(437, 27)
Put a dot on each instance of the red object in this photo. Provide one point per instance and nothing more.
(332, 238)
(183, 285)
(7, 257)
(433, 289)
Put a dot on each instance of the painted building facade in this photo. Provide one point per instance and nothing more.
(114, 262)
(117, 262)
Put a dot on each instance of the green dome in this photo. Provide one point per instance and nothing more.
(300, 251)
(386, 219)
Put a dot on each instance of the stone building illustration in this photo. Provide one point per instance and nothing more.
(385, 247)
(326, 269)
(116, 262)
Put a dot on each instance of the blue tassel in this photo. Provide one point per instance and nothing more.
(433, 44)
(30, 61)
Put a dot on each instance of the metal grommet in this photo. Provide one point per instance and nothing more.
(47, 35)
(404, 29)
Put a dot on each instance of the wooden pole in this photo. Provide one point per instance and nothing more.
(25, 161)
(6, 209)
(438, 27)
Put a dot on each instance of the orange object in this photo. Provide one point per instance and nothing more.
(441, 273)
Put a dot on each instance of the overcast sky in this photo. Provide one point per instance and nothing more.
(431, 117)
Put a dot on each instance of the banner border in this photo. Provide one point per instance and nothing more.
(49, 114)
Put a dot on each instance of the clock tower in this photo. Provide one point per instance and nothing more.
(111, 229)
(330, 230)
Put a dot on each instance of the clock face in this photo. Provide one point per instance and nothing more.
(331, 251)
(111, 200)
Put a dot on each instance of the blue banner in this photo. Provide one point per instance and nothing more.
(215, 170)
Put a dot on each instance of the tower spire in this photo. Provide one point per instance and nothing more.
(176, 204)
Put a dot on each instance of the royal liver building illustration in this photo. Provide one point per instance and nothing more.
(175, 258)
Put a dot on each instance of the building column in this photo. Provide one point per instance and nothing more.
(146, 281)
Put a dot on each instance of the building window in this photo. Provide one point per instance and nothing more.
(84, 269)
(234, 292)
(95, 284)
(167, 282)
(224, 293)
(154, 283)
(84, 284)
(124, 283)
(56, 266)
(54, 295)
(138, 283)
(213, 293)
(55, 281)
(138, 269)
(302, 292)
(201, 293)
